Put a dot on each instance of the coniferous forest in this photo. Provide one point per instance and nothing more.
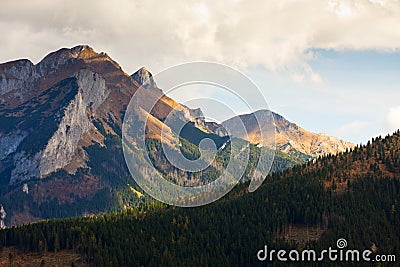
(353, 195)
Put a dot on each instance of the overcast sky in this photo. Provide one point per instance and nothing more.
(330, 66)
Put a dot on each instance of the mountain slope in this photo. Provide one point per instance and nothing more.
(231, 231)
(289, 136)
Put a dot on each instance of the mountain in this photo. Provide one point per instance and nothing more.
(289, 137)
(60, 137)
(144, 78)
(352, 197)
(60, 140)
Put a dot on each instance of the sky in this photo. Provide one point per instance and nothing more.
(330, 66)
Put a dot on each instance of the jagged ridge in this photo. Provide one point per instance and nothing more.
(288, 137)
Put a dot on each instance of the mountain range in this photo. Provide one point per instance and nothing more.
(60, 136)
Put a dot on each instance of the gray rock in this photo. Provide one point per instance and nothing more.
(10, 142)
(63, 144)
(144, 78)
(3, 215)
(26, 167)
(20, 76)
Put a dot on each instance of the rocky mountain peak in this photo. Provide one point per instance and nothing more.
(16, 75)
(21, 80)
(288, 135)
(79, 51)
(5, 67)
(66, 57)
(69, 120)
(144, 78)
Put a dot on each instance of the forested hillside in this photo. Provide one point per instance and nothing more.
(353, 195)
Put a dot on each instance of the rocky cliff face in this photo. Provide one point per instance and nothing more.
(9, 143)
(74, 123)
(63, 145)
(17, 76)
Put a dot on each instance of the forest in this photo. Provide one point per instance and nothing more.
(353, 195)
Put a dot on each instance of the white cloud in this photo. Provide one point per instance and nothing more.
(305, 73)
(354, 127)
(342, 9)
(276, 34)
(393, 118)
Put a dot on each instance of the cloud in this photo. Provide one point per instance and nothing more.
(354, 127)
(393, 118)
(305, 73)
(275, 34)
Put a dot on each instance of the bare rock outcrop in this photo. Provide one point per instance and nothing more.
(63, 144)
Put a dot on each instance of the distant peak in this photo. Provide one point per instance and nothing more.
(144, 78)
